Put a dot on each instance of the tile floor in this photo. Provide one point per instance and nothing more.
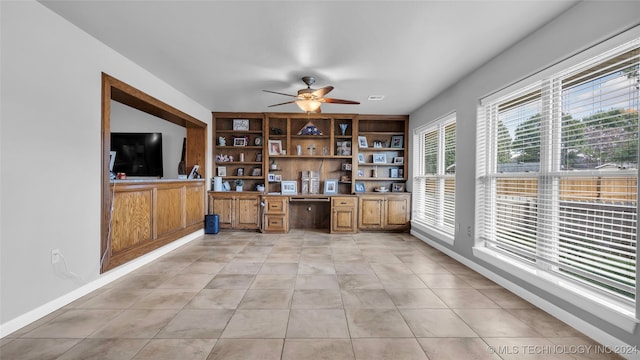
(304, 295)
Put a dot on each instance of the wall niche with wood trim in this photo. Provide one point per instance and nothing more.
(166, 209)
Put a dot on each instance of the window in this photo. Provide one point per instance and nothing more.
(434, 183)
(558, 172)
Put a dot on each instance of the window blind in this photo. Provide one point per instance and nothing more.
(434, 179)
(558, 169)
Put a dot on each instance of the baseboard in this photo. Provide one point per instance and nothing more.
(593, 332)
(104, 279)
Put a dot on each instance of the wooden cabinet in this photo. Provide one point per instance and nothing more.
(236, 210)
(384, 212)
(344, 214)
(149, 214)
(276, 214)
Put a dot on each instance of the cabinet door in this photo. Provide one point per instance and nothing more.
(371, 213)
(224, 208)
(343, 215)
(247, 213)
(397, 212)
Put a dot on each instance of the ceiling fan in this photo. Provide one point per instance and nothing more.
(309, 99)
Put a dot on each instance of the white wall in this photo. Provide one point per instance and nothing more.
(127, 119)
(50, 151)
(581, 27)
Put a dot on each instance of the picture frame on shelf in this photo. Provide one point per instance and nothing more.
(330, 186)
(240, 124)
(360, 173)
(256, 171)
(362, 142)
(257, 141)
(393, 173)
(343, 148)
(346, 166)
(271, 177)
(397, 187)
(226, 186)
(360, 158)
(397, 141)
(239, 141)
(401, 173)
(194, 172)
(380, 158)
(398, 160)
(289, 187)
(258, 157)
(222, 171)
(275, 147)
(277, 178)
(360, 187)
(240, 172)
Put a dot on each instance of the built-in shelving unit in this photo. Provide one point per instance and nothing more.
(330, 146)
(238, 151)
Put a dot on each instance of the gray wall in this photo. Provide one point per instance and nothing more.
(581, 27)
(50, 151)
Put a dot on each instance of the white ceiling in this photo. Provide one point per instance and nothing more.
(223, 53)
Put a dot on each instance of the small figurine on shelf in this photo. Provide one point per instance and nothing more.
(311, 148)
(274, 165)
(239, 184)
(222, 141)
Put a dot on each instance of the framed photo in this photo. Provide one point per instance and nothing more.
(380, 158)
(397, 141)
(256, 171)
(240, 172)
(330, 187)
(257, 141)
(343, 148)
(194, 172)
(222, 171)
(258, 157)
(360, 173)
(226, 186)
(277, 178)
(275, 147)
(398, 160)
(360, 158)
(401, 172)
(271, 177)
(346, 166)
(241, 124)
(360, 187)
(362, 141)
(398, 187)
(239, 141)
(393, 173)
(289, 187)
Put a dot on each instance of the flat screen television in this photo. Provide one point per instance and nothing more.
(138, 154)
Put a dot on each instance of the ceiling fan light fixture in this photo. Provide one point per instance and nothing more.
(308, 105)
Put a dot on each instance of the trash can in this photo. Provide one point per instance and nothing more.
(211, 224)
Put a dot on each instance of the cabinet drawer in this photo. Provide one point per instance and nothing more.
(275, 205)
(275, 223)
(343, 201)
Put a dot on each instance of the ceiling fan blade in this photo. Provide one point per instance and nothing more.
(284, 103)
(338, 101)
(279, 93)
(322, 92)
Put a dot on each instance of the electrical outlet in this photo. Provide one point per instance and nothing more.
(55, 256)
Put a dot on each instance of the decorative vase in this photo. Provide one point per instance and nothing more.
(343, 129)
